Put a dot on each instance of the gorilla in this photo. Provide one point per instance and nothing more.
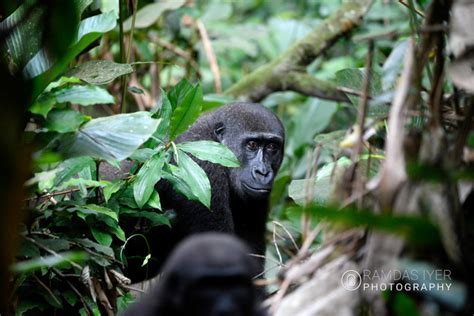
(208, 274)
(239, 196)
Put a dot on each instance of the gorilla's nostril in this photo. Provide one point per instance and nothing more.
(260, 172)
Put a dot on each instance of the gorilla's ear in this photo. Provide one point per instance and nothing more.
(219, 129)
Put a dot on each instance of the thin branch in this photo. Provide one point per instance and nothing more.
(414, 9)
(211, 57)
(47, 289)
(75, 290)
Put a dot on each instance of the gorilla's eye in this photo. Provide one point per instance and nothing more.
(252, 145)
(272, 147)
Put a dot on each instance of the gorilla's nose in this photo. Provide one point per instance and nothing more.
(262, 174)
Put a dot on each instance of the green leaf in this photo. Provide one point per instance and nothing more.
(179, 92)
(102, 237)
(147, 177)
(176, 177)
(118, 232)
(111, 138)
(84, 95)
(45, 71)
(324, 183)
(87, 243)
(145, 261)
(211, 151)
(100, 72)
(186, 112)
(111, 189)
(71, 167)
(61, 260)
(313, 117)
(155, 218)
(18, 48)
(154, 201)
(85, 182)
(354, 79)
(150, 13)
(64, 120)
(193, 175)
(97, 210)
(142, 154)
(164, 114)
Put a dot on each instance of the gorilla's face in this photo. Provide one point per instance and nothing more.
(260, 155)
(256, 136)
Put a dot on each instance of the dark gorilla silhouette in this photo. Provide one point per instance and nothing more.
(208, 274)
(240, 196)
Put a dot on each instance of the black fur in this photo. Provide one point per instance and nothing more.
(207, 275)
(234, 209)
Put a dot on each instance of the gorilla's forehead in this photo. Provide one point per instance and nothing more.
(250, 117)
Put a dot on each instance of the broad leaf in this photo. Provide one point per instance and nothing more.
(147, 177)
(111, 138)
(179, 92)
(155, 218)
(154, 201)
(324, 184)
(164, 113)
(111, 189)
(313, 117)
(210, 151)
(354, 80)
(32, 21)
(70, 168)
(102, 237)
(142, 154)
(77, 94)
(87, 243)
(97, 210)
(84, 182)
(186, 112)
(64, 120)
(100, 71)
(196, 179)
(150, 13)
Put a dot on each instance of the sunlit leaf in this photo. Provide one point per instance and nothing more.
(64, 120)
(196, 179)
(164, 113)
(150, 13)
(186, 112)
(71, 167)
(111, 138)
(97, 210)
(100, 72)
(148, 175)
(211, 151)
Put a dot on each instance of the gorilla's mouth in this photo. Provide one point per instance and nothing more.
(254, 190)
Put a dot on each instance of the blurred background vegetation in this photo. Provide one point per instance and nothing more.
(65, 64)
